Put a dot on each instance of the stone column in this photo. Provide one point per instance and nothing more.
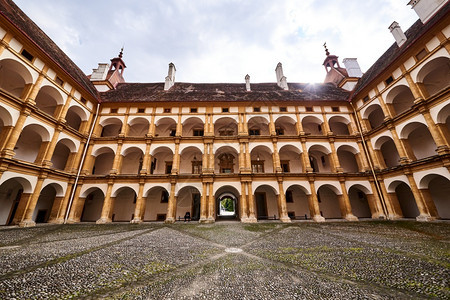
(313, 203)
(378, 163)
(362, 156)
(170, 218)
(117, 158)
(176, 158)
(348, 214)
(404, 159)
(415, 90)
(424, 213)
(374, 201)
(428, 200)
(298, 125)
(107, 206)
(152, 127)
(47, 161)
(392, 204)
(325, 126)
(211, 158)
(276, 158)
(77, 206)
(60, 207)
(442, 147)
(305, 158)
(334, 158)
(386, 111)
(271, 124)
(241, 157)
(4, 135)
(147, 159)
(8, 152)
(251, 204)
(34, 89)
(282, 209)
(205, 158)
(31, 205)
(63, 112)
(203, 204)
(179, 129)
(140, 205)
(23, 202)
(124, 128)
(248, 160)
(243, 203)
(211, 204)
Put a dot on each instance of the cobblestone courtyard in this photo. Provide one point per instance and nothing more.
(371, 260)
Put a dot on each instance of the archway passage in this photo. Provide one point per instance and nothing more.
(10, 193)
(31, 143)
(188, 203)
(225, 127)
(374, 115)
(103, 161)
(406, 200)
(439, 191)
(297, 202)
(388, 151)
(359, 202)
(124, 205)
(420, 140)
(328, 203)
(435, 75)
(93, 205)
(156, 204)
(44, 204)
(266, 200)
(227, 203)
(14, 77)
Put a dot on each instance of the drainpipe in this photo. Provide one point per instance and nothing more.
(83, 157)
(369, 159)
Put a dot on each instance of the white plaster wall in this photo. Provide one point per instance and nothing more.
(8, 193)
(28, 181)
(388, 181)
(154, 206)
(360, 205)
(271, 201)
(329, 204)
(85, 188)
(422, 184)
(440, 191)
(303, 183)
(93, 207)
(123, 206)
(45, 202)
(13, 112)
(300, 205)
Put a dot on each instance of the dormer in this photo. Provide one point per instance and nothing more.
(107, 77)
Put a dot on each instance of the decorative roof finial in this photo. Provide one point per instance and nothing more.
(121, 53)
(326, 49)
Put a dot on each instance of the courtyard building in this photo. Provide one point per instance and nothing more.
(77, 148)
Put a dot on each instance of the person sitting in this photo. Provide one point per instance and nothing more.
(187, 217)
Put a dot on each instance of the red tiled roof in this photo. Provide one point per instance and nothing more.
(10, 11)
(218, 92)
(394, 52)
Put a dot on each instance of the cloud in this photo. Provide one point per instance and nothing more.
(220, 41)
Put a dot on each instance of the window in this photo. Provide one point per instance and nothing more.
(309, 108)
(289, 198)
(285, 166)
(167, 110)
(164, 197)
(283, 109)
(172, 132)
(226, 163)
(113, 110)
(421, 55)
(141, 110)
(225, 109)
(335, 108)
(196, 167)
(389, 80)
(279, 131)
(193, 110)
(168, 167)
(256, 109)
(257, 166)
(198, 132)
(254, 132)
(83, 100)
(59, 81)
(27, 55)
(365, 99)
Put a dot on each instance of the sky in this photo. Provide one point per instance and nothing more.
(220, 40)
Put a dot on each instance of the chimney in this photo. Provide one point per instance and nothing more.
(281, 79)
(352, 67)
(425, 9)
(398, 34)
(170, 78)
(100, 73)
(247, 83)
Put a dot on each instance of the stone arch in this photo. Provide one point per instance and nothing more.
(405, 198)
(111, 127)
(312, 125)
(227, 199)
(5, 117)
(357, 195)
(225, 126)
(48, 98)
(419, 139)
(14, 77)
(191, 160)
(319, 157)
(348, 159)
(388, 151)
(104, 158)
(339, 125)
(435, 75)
(93, 204)
(132, 160)
(226, 160)
(75, 117)
(290, 158)
(138, 126)
(188, 201)
(124, 204)
(31, 142)
(436, 189)
(266, 199)
(261, 159)
(162, 160)
(258, 125)
(400, 98)
(285, 125)
(45, 202)
(327, 196)
(374, 114)
(297, 202)
(165, 126)
(156, 201)
(64, 152)
(193, 126)
(11, 191)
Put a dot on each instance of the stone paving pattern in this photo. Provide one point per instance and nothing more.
(340, 260)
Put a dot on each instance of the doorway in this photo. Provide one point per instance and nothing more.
(261, 205)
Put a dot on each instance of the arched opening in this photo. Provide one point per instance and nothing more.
(132, 161)
(227, 203)
(439, 191)
(93, 204)
(258, 126)
(388, 151)
(191, 161)
(435, 75)
(124, 205)
(193, 127)
(188, 203)
(327, 196)
(225, 127)
(261, 160)
(5, 125)
(443, 121)
(285, 126)
(31, 142)
(165, 127)
(297, 202)
(339, 125)
(47, 99)
(419, 139)
(226, 160)
(162, 161)
(406, 200)
(290, 159)
(400, 99)
(75, 116)
(63, 154)
(14, 77)
(111, 127)
(11, 192)
(44, 204)
(312, 125)
(359, 202)
(374, 114)
(104, 158)
(156, 204)
(347, 159)
(138, 127)
(319, 159)
(266, 199)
